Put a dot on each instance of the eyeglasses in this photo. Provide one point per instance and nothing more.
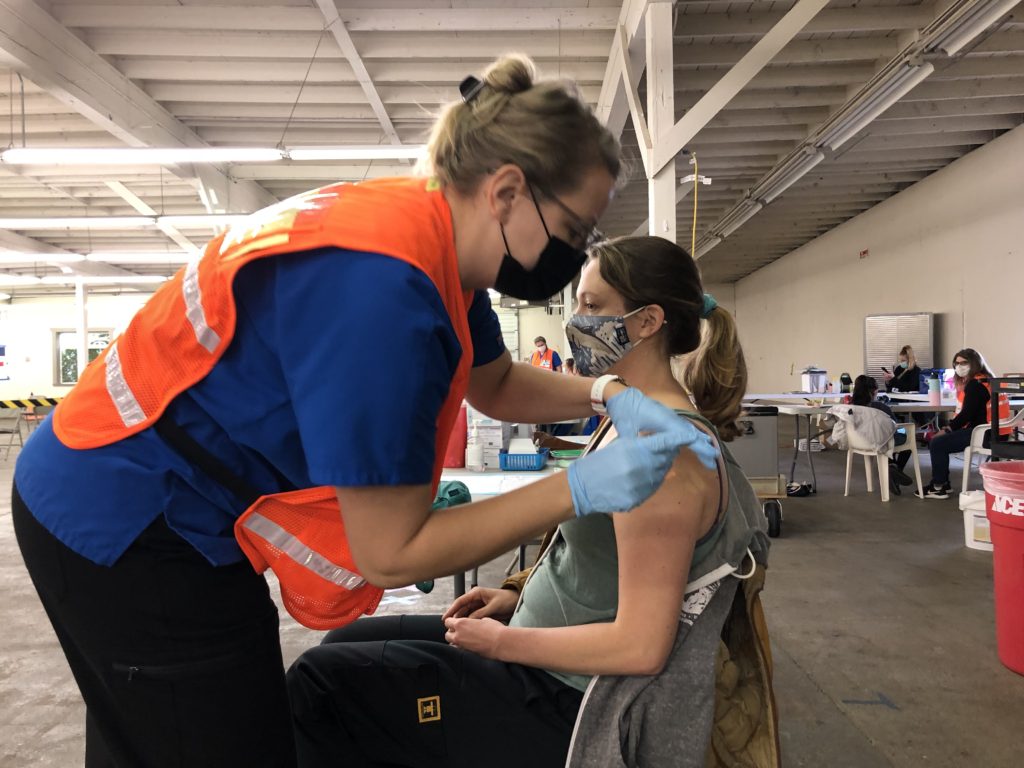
(584, 233)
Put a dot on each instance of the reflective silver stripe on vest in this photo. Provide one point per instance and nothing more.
(193, 296)
(303, 555)
(128, 407)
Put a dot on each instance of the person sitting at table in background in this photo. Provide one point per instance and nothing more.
(906, 374)
(865, 392)
(569, 368)
(973, 407)
(604, 600)
(545, 357)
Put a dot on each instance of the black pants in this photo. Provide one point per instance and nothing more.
(390, 692)
(179, 662)
(940, 447)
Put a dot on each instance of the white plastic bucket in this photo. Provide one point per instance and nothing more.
(976, 531)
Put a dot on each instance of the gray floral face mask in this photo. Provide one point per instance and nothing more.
(598, 341)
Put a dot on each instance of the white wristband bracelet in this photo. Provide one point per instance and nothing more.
(597, 392)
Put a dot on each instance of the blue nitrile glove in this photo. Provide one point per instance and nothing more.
(626, 473)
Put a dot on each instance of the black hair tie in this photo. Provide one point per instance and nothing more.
(470, 88)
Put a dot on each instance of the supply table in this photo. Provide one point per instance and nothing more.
(809, 411)
(491, 482)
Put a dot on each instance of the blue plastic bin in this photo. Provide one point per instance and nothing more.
(523, 462)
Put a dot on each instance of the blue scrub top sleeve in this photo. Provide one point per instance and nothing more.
(485, 329)
(368, 354)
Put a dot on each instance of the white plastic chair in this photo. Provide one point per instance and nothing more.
(882, 458)
(977, 446)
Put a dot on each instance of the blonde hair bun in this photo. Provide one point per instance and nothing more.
(542, 126)
(511, 74)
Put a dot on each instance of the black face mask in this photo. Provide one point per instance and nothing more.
(558, 264)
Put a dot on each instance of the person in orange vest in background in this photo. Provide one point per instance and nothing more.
(229, 411)
(545, 357)
(973, 407)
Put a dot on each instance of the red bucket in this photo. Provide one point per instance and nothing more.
(1004, 504)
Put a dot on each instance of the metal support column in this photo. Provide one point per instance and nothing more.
(661, 188)
(81, 326)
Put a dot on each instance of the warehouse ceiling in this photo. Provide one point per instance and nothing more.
(286, 73)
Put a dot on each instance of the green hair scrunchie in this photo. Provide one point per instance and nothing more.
(709, 304)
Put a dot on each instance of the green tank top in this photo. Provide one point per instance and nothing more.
(577, 580)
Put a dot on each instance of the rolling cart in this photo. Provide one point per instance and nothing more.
(770, 492)
(756, 449)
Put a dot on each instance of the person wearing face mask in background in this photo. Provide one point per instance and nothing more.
(905, 375)
(506, 672)
(544, 357)
(973, 407)
(133, 503)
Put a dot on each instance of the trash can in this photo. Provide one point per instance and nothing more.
(1004, 500)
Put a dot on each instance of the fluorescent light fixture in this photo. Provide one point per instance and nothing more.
(788, 176)
(376, 152)
(154, 257)
(705, 244)
(7, 279)
(124, 222)
(102, 279)
(887, 93)
(963, 29)
(738, 216)
(202, 220)
(80, 222)
(31, 258)
(4, 296)
(138, 155)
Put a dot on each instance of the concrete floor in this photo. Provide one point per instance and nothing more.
(881, 624)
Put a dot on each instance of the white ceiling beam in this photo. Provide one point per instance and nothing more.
(297, 45)
(875, 140)
(336, 26)
(705, 53)
(12, 241)
(771, 99)
(34, 43)
(967, 89)
(331, 71)
(668, 145)
(826, 75)
(245, 93)
(319, 171)
(612, 105)
(326, 113)
(198, 17)
(998, 105)
(837, 20)
(140, 205)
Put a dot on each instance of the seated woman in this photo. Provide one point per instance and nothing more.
(974, 404)
(865, 392)
(468, 689)
(906, 374)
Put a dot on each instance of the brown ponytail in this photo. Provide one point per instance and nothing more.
(716, 373)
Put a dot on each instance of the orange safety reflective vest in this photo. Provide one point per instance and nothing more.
(1004, 404)
(543, 361)
(183, 330)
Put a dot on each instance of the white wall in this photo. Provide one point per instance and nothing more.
(932, 248)
(27, 326)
